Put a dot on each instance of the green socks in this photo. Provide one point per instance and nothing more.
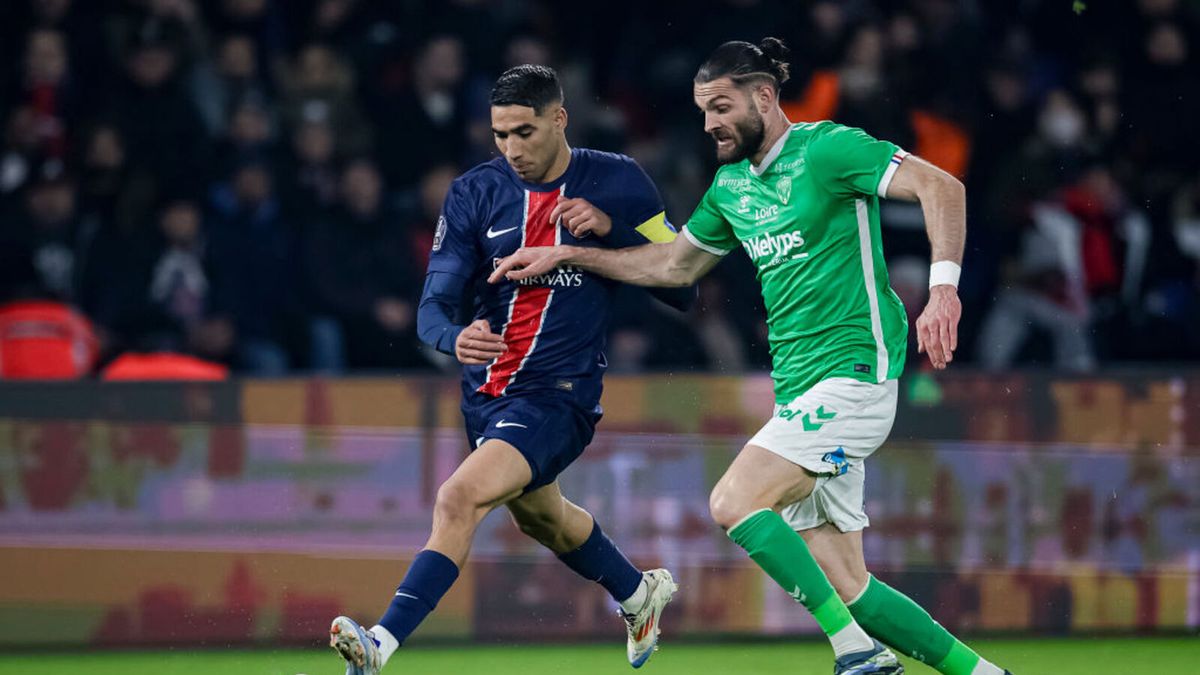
(894, 619)
(784, 556)
(881, 611)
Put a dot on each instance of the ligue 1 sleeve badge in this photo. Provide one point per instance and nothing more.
(440, 233)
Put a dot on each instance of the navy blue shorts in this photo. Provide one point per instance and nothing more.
(549, 430)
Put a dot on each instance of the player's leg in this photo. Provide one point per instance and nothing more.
(885, 613)
(575, 536)
(490, 476)
(745, 502)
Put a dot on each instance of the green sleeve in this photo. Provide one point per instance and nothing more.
(849, 161)
(707, 229)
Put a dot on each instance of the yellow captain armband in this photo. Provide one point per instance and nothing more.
(657, 229)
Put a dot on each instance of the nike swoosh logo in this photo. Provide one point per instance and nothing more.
(501, 424)
(492, 234)
(406, 595)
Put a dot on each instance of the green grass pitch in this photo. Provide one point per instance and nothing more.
(1090, 656)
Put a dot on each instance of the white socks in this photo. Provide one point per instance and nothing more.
(985, 668)
(634, 602)
(388, 644)
(850, 640)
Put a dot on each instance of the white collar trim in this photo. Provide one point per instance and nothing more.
(771, 154)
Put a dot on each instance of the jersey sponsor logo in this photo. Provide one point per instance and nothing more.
(439, 233)
(770, 250)
(567, 276)
(788, 166)
(784, 188)
(493, 233)
(734, 184)
(766, 213)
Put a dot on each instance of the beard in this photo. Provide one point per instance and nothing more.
(747, 138)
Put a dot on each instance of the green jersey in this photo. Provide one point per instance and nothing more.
(808, 217)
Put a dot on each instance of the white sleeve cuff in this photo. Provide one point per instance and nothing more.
(890, 172)
(701, 245)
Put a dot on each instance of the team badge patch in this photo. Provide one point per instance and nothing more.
(837, 459)
(784, 188)
(440, 233)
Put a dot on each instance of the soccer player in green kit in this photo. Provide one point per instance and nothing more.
(803, 201)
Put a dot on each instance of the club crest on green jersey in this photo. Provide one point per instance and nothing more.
(784, 188)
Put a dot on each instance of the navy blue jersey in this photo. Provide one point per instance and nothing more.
(554, 325)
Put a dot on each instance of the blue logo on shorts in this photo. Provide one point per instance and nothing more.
(838, 459)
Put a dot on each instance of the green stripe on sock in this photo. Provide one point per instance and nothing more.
(960, 661)
(784, 556)
(832, 615)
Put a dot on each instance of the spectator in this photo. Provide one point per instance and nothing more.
(46, 240)
(18, 155)
(429, 119)
(252, 252)
(250, 132)
(180, 288)
(237, 76)
(310, 183)
(320, 84)
(364, 279)
(47, 90)
(162, 129)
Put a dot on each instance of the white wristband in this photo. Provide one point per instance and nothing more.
(944, 272)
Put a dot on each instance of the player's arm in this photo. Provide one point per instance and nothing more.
(943, 200)
(638, 218)
(584, 218)
(680, 262)
(451, 264)
(674, 264)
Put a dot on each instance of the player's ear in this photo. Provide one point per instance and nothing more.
(560, 118)
(764, 98)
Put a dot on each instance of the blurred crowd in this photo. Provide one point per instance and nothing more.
(255, 182)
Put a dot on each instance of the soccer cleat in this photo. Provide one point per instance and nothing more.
(355, 645)
(642, 625)
(877, 661)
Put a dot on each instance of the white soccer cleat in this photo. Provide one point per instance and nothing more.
(355, 645)
(642, 625)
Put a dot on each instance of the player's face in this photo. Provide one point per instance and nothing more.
(529, 142)
(731, 118)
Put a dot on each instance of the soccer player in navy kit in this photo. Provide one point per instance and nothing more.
(533, 358)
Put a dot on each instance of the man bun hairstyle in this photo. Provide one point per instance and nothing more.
(743, 63)
(527, 85)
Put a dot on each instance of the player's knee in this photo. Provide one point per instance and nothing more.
(455, 501)
(727, 508)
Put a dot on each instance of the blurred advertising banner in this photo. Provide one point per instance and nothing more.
(226, 512)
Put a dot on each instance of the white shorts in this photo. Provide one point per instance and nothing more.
(830, 430)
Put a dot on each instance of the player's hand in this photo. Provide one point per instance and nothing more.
(530, 261)
(477, 345)
(580, 217)
(937, 327)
